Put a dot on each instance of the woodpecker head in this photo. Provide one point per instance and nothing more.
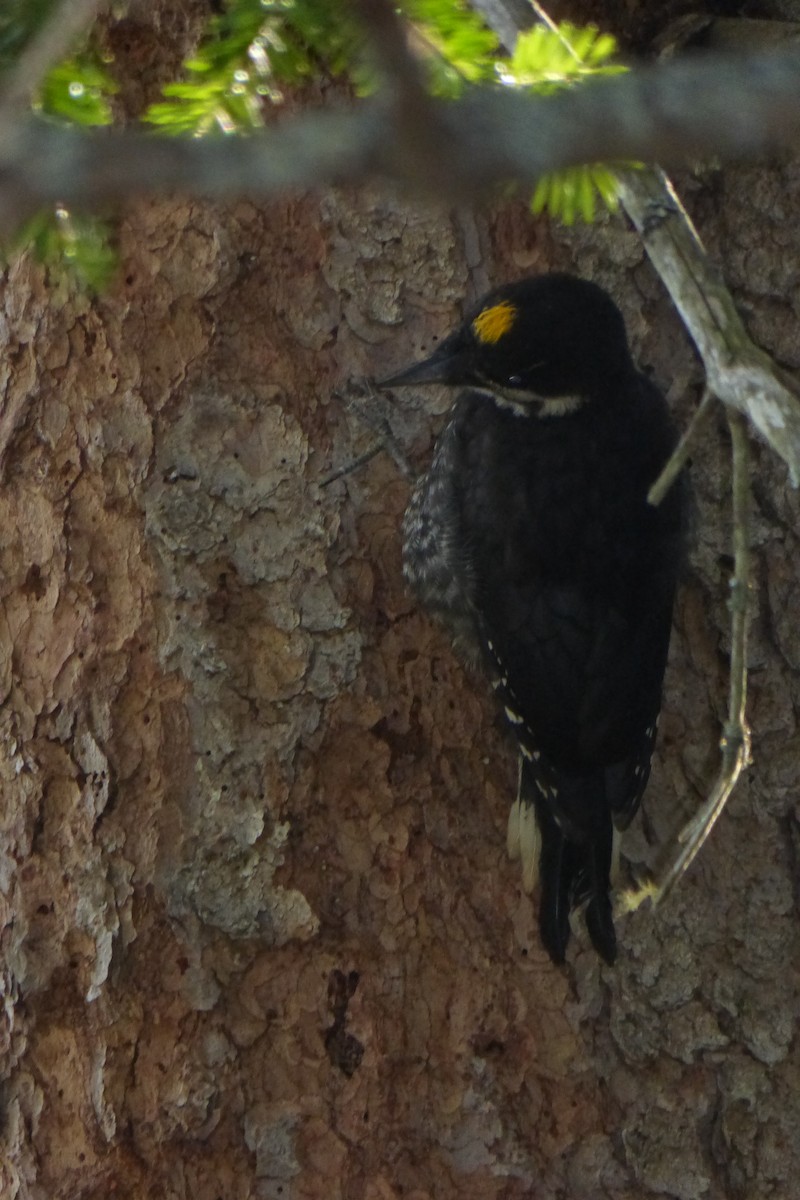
(549, 338)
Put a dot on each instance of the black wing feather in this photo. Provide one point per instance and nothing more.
(564, 576)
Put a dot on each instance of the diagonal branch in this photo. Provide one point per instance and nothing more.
(737, 371)
(680, 455)
(671, 113)
(417, 132)
(735, 741)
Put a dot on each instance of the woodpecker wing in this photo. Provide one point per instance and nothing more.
(574, 582)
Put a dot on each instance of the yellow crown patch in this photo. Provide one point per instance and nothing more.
(492, 323)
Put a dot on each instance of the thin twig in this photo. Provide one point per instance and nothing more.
(680, 455)
(387, 38)
(360, 399)
(546, 19)
(416, 123)
(735, 741)
(354, 465)
(463, 148)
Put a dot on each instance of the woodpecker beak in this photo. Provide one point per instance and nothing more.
(447, 364)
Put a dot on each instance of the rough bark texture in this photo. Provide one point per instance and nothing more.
(260, 938)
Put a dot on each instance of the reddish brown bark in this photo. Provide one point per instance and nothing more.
(260, 938)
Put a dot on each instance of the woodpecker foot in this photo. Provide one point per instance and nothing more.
(628, 899)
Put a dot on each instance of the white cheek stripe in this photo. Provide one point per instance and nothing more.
(523, 404)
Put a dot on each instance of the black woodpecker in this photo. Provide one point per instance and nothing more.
(531, 538)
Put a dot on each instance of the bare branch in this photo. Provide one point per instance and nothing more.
(737, 371)
(508, 18)
(386, 36)
(682, 110)
(355, 464)
(735, 741)
(416, 131)
(371, 410)
(43, 164)
(680, 456)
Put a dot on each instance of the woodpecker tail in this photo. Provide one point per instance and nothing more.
(572, 872)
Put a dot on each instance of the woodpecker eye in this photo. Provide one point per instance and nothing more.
(514, 380)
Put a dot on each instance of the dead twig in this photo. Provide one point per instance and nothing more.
(360, 398)
(735, 740)
(680, 455)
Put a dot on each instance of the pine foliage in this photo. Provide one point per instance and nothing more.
(255, 54)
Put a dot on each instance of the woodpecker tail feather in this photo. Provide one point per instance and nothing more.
(572, 872)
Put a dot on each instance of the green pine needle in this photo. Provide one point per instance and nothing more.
(77, 92)
(462, 49)
(255, 50)
(252, 52)
(546, 61)
(73, 246)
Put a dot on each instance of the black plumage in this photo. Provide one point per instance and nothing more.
(531, 537)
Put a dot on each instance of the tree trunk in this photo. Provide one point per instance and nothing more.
(260, 935)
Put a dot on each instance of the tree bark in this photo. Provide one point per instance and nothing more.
(260, 935)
